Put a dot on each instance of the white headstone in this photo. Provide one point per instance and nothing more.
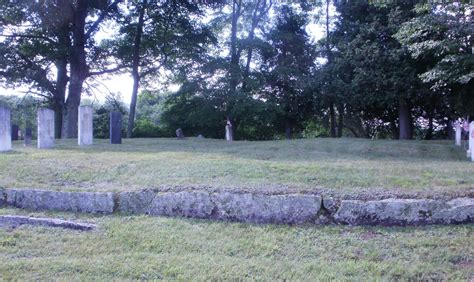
(458, 134)
(228, 132)
(5, 130)
(85, 128)
(471, 140)
(45, 128)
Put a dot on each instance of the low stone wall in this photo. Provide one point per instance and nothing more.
(249, 207)
(85, 202)
(406, 211)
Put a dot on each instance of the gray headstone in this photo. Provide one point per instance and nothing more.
(179, 133)
(15, 130)
(5, 130)
(471, 140)
(115, 128)
(229, 136)
(458, 134)
(45, 128)
(85, 127)
(28, 136)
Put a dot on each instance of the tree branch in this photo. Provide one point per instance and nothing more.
(92, 73)
(29, 36)
(102, 16)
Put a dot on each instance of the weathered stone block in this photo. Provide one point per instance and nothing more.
(135, 202)
(86, 202)
(5, 130)
(188, 204)
(330, 204)
(459, 210)
(405, 211)
(45, 128)
(267, 208)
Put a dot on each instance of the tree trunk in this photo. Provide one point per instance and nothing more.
(404, 120)
(340, 124)
(59, 95)
(429, 133)
(256, 17)
(234, 53)
(79, 69)
(288, 130)
(449, 131)
(394, 129)
(62, 78)
(135, 73)
(332, 116)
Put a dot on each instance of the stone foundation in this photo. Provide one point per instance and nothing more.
(249, 207)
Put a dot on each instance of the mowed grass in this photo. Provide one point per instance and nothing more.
(142, 247)
(308, 164)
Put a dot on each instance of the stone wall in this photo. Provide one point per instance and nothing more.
(248, 207)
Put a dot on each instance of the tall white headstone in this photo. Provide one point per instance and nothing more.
(458, 134)
(85, 128)
(229, 134)
(5, 130)
(471, 140)
(45, 128)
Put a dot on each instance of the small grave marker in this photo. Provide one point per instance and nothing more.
(179, 133)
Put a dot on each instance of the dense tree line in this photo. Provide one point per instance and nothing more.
(396, 70)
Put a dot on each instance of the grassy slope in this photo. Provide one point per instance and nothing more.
(150, 248)
(340, 164)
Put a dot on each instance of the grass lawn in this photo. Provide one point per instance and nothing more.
(298, 165)
(142, 247)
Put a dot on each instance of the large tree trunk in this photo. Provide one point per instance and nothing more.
(404, 120)
(340, 124)
(261, 8)
(234, 52)
(79, 70)
(429, 133)
(59, 95)
(288, 131)
(135, 73)
(332, 116)
(394, 129)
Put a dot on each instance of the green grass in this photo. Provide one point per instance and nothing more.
(334, 164)
(142, 247)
